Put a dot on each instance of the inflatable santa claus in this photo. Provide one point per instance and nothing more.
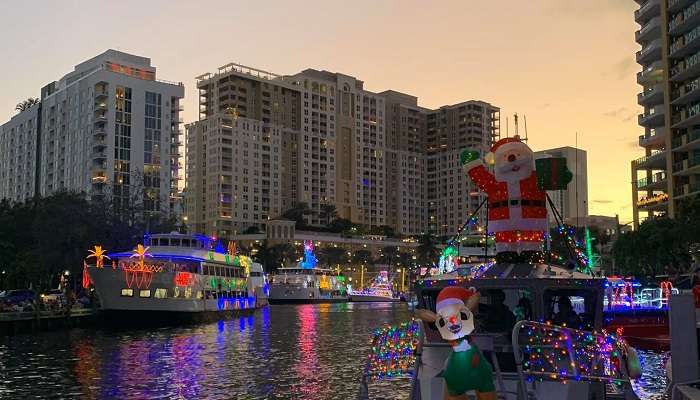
(517, 210)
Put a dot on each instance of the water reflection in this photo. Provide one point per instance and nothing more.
(282, 352)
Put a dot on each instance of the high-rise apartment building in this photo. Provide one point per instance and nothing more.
(323, 140)
(670, 58)
(107, 128)
(19, 139)
(571, 203)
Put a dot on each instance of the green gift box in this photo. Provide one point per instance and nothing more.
(552, 173)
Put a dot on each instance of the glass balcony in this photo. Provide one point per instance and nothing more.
(687, 44)
(656, 160)
(651, 96)
(653, 117)
(650, 30)
(650, 52)
(685, 21)
(655, 138)
(649, 10)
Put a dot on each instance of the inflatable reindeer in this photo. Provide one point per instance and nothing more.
(466, 368)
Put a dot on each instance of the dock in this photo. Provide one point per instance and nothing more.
(12, 323)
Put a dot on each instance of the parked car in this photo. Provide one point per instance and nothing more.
(53, 296)
(19, 296)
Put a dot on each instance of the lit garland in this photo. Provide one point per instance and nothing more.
(569, 235)
(393, 351)
(564, 354)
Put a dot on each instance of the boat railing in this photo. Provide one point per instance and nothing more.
(545, 352)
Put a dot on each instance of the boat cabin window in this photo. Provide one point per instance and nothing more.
(175, 242)
(185, 242)
(255, 273)
(574, 308)
(500, 309)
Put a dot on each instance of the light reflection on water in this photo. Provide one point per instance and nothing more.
(652, 384)
(313, 352)
(282, 352)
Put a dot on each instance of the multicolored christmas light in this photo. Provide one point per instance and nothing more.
(393, 351)
(563, 354)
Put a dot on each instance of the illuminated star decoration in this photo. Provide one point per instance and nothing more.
(99, 254)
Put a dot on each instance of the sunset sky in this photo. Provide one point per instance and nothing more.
(568, 65)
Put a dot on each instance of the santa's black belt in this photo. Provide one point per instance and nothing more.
(516, 202)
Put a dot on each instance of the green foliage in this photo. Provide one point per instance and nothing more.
(273, 257)
(297, 213)
(660, 245)
(331, 256)
(427, 250)
(27, 104)
(362, 257)
(43, 237)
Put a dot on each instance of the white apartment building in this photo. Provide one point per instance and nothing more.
(571, 203)
(18, 161)
(110, 128)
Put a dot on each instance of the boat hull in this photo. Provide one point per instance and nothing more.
(290, 294)
(355, 298)
(150, 318)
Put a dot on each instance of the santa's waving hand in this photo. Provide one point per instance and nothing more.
(517, 207)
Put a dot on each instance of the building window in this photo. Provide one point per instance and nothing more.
(127, 292)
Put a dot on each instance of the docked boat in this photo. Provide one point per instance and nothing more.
(175, 277)
(379, 291)
(307, 285)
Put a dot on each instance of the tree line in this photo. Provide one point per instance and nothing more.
(45, 236)
(661, 245)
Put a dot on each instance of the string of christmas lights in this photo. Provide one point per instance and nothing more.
(564, 354)
(393, 351)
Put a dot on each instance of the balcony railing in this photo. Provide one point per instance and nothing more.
(686, 20)
(656, 178)
(646, 10)
(688, 188)
(652, 200)
(659, 155)
(648, 50)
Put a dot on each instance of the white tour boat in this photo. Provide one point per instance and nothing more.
(177, 277)
(379, 291)
(307, 285)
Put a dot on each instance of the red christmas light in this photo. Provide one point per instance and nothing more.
(183, 279)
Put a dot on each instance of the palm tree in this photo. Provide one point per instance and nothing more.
(141, 252)
(388, 255)
(296, 213)
(427, 249)
(329, 213)
(99, 254)
(362, 257)
(26, 104)
(333, 255)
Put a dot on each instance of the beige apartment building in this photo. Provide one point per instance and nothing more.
(669, 172)
(109, 128)
(320, 138)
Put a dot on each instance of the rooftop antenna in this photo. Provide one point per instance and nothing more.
(525, 121)
(515, 117)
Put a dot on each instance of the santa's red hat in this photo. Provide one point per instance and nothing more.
(503, 141)
(452, 295)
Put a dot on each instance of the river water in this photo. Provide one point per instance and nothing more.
(313, 352)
